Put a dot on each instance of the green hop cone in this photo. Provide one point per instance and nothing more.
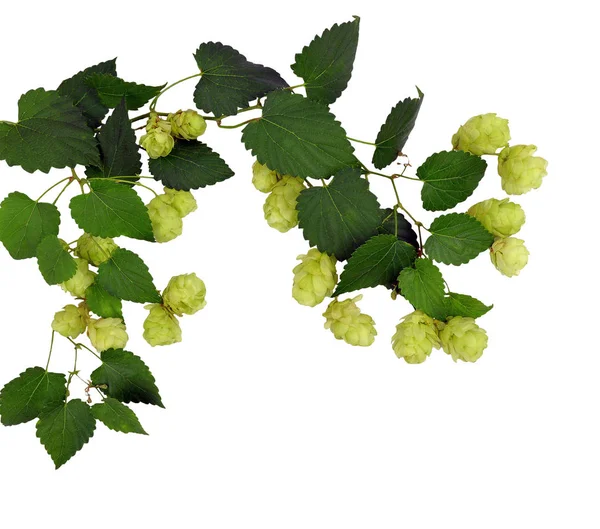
(509, 255)
(166, 220)
(156, 122)
(520, 170)
(347, 322)
(96, 250)
(187, 124)
(263, 178)
(79, 283)
(463, 339)
(69, 322)
(483, 134)
(183, 201)
(501, 218)
(185, 294)
(280, 206)
(314, 278)
(107, 333)
(157, 142)
(416, 336)
(161, 327)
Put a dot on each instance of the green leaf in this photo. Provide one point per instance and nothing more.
(299, 137)
(111, 209)
(326, 63)
(100, 302)
(55, 263)
(229, 81)
(84, 96)
(127, 378)
(111, 90)
(457, 238)
(24, 223)
(118, 417)
(126, 276)
(423, 287)
(24, 398)
(339, 217)
(449, 178)
(399, 226)
(65, 429)
(466, 306)
(51, 132)
(394, 133)
(377, 262)
(119, 150)
(190, 165)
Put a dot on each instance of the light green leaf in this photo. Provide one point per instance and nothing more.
(24, 398)
(326, 63)
(55, 263)
(376, 262)
(65, 429)
(466, 306)
(341, 216)
(116, 416)
(298, 137)
(100, 302)
(449, 178)
(457, 238)
(126, 276)
(112, 89)
(24, 223)
(111, 209)
(50, 133)
(423, 287)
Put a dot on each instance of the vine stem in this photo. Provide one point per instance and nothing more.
(80, 345)
(393, 176)
(50, 353)
(238, 125)
(154, 101)
(362, 141)
(52, 187)
(62, 191)
(146, 115)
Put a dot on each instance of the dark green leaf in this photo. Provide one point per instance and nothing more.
(126, 276)
(24, 223)
(51, 132)
(100, 302)
(119, 150)
(397, 224)
(423, 287)
(127, 378)
(118, 417)
(190, 165)
(377, 262)
(457, 238)
(111, 90)
(84, 96)
(339, 217)
(55, 263)
(24, 398)
(229, 81)
(466, 306)
(111, 209)
(449, 178)
(65, 429)
(299, 137)
(326, 63)
(395, 131)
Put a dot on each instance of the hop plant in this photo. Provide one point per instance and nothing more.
(520, 170)
(187, 124)
(314, 278)
(157, 143)
(501, 218)
(185, 294)
(483, 134)
(166, 220)
(263, 178)
(156, 122)
(183, 201)
(95, 250)
(416, 336)
(509, 255)
(79, 283)
(107, 333)
(463, 339)
(347, 322)
(280, 206)
(161, 326)
(70, 322)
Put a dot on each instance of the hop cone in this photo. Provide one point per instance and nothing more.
(79, 283)
(96, 250)
(520, 170)
(280, 206)
(347, 322)
(69, 322)
(161, 327)
(107, 333)
(416, 336)
(185, 294)
(263, 178)
(166, 220)
(483, 134)
(187, 124)
(509, 255)
(314, 278)
(502, 218)
(463, 339)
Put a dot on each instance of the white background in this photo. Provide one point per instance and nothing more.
(271, 422)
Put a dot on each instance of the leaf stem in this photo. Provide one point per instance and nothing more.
(295, 86)
(62, 191)
(362, 141)
(238, 125)
(393, 176)
(154, 101)
(50, 353)
(146, 115)
(80, 345)
(52, 187)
